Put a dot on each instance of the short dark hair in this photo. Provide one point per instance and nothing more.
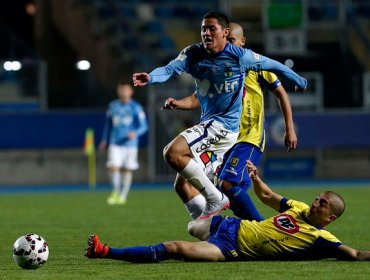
(222, 19)
(337, 203)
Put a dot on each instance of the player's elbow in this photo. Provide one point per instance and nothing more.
(264, 196)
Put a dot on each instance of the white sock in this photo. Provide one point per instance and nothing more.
(126, 183)
(115, 178)
(195, 206)
(194, 173)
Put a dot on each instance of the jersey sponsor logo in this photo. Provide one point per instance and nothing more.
(232, 171)
(126, 120)
(218, 137)
(271, 241)
(208, 157)
(204, 85)
(286, 223)
(226, 86)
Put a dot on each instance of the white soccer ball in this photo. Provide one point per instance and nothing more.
(30, 251)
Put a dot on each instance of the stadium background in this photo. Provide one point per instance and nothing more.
(47, 105)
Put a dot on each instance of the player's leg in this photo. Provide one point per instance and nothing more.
(235, 181)
(193, 200)
(114, 167)
(200, 228)
(179, 156)
(196, 251)
(220, 231)
(126, 183)
(128, 165)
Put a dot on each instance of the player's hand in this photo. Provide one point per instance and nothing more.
(131, 135)
(140, 79)
(252, 170)
(290, 140)
(303, 88)
(169, 104)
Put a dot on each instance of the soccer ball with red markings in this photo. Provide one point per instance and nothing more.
(30, 251)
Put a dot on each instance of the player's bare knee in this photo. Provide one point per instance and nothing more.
(171, 247)
(199, 229)
(169, 154)
(192, 228)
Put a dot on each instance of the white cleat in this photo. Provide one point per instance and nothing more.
(215, 207)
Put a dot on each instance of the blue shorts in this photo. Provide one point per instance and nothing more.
(234, 168)
(224, 235)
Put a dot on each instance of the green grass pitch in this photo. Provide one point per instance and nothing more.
(65, 220)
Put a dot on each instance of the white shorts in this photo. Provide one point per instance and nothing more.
(209, 141)
(123, 157)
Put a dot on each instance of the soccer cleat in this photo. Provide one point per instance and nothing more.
(121, 201)
(213, 208)
(96, 249)
(113, 198)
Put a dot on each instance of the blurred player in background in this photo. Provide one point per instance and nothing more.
(218, 69)
(250, 143)
(125, 122)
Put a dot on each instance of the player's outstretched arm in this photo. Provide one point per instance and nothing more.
(188, 103)
(257, 62)
(347, 253)
(290, 137)
(264, 193)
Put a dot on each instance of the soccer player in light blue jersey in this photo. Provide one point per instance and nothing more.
(218, 69)
(249, 145)
(125, 122)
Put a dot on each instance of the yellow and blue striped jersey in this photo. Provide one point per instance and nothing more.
(285, 236)
(252, 120)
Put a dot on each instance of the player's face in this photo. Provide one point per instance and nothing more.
(213, 36)
(320, 211)
(124, 93)
(236, 39)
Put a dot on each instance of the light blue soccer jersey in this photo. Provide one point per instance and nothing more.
(122, 118)
(219, 78)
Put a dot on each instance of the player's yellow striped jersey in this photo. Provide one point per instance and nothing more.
(252, 120)
(286, 236)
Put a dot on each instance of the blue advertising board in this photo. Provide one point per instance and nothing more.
(318, 131)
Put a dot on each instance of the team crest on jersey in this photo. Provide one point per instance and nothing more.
(286, 223)
(234, 161)
(228, 71)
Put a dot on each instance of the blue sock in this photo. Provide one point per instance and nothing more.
(139, 254)
(242, 205)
